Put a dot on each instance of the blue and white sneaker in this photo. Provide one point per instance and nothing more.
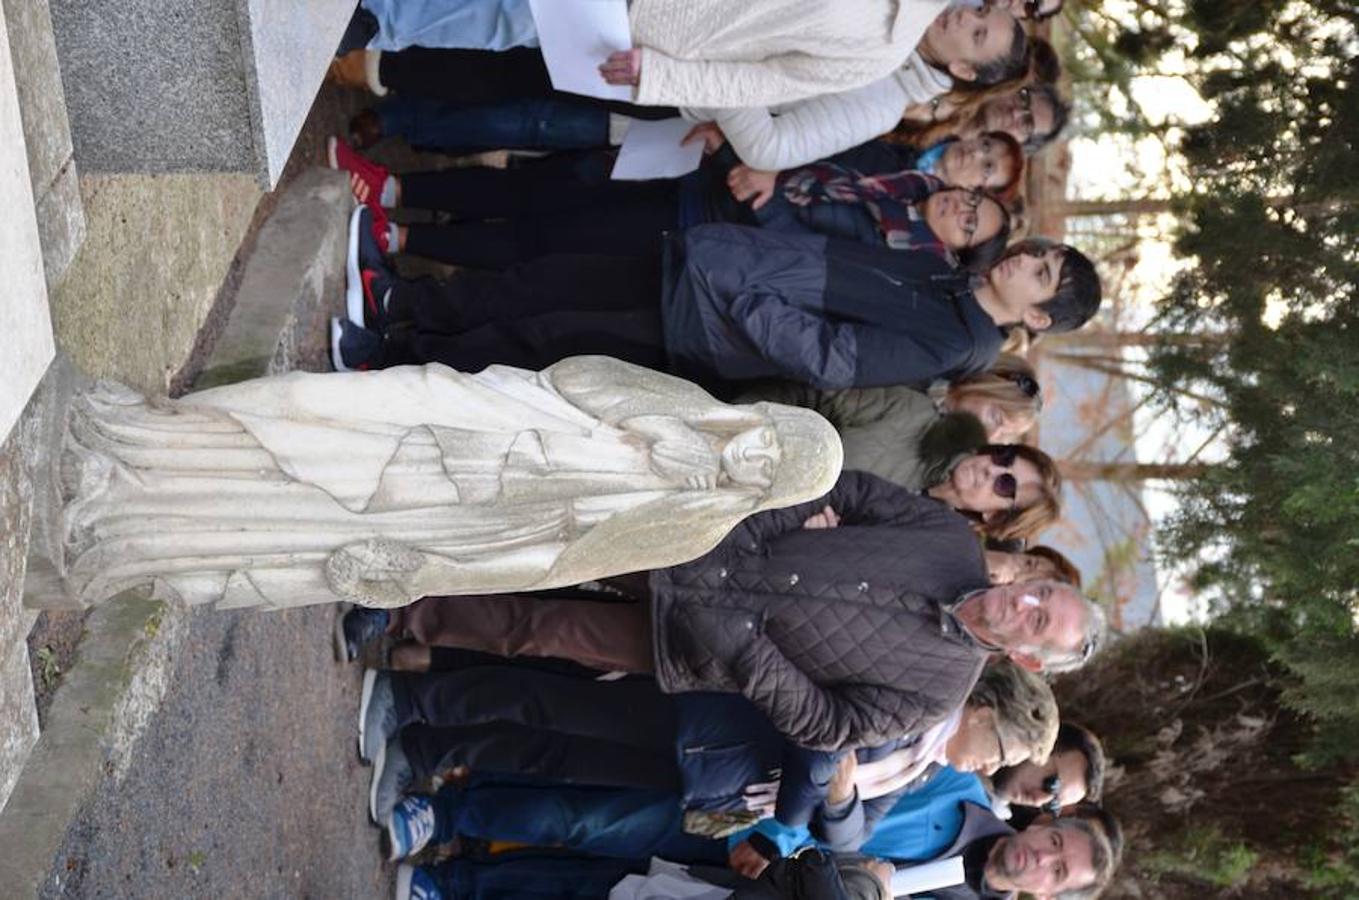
(377, 714)
(392, 777)
(352, 348)
(409, 827)
(413, 883)
(367, 278)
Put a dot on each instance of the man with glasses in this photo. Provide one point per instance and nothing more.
(1073, 773)
(844, 633)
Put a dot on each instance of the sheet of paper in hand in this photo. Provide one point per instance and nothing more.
(653, 150)
(577, 36)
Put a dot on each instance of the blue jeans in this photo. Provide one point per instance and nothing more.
(623, 823)
(515, 876)
(470, 24)
(533, 124)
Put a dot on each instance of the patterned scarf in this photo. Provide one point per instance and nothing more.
(889, 198)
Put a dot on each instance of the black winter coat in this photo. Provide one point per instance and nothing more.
(838, 635)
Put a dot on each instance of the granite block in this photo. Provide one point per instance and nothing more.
(192, 85)
(47, 135)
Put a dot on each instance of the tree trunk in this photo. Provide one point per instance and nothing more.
(1148, 206)
(1094, 470)
(1103, 339)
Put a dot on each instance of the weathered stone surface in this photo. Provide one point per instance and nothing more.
(193, 85)
(158, 249)
(292, 282)
(47, 134)
(18, 717)
(26, 344)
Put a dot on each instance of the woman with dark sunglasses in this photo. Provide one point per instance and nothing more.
(1011, 490)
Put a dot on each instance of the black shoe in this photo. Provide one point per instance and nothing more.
(362, 28)
(356, 628)
(352, 348)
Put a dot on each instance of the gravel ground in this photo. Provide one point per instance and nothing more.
(245, 785)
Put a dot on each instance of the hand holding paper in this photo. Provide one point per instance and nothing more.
(576, 37)
(623, 67)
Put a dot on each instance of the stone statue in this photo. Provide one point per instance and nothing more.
(382, 487)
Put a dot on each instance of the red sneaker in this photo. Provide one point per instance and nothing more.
(341, 156)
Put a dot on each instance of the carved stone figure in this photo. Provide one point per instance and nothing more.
(382, 487)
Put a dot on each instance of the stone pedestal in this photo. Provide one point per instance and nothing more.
(193, 85)
(26, 348)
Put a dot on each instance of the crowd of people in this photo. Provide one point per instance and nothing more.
(845, 691)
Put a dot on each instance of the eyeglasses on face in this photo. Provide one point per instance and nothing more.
(1027, 384)
(1033, 9)
(1053, 785)
(1026, 121)
(970, 200)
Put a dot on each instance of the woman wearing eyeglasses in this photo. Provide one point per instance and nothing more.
(508, 216)
(1033, 114)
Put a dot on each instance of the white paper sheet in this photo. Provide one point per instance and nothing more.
(653, 150)
(928, 877)
(577, 36)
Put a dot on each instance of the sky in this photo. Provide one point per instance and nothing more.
(1106, 167)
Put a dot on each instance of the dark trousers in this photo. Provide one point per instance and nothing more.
(489, 76)
(615, 822)
(531, 315)
(528, 876)
(547, 877)
(537, 210)
(446, 126)
(530, 722)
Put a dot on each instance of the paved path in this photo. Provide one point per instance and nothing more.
(246, 783)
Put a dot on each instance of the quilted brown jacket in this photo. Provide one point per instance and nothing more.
(838, 635)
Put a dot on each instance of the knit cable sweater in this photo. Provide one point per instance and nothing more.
(759, 53)
(800, 133)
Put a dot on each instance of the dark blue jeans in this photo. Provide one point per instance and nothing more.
(459, 128)
(519, 875)
(622, 823)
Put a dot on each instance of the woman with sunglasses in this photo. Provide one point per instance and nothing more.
(1010, 490)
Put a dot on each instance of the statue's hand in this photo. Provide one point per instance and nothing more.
(704, 482)
(374, 572)
(679, 452)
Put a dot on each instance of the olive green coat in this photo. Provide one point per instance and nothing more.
(896, 433)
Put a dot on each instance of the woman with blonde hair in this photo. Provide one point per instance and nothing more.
(1006, 400)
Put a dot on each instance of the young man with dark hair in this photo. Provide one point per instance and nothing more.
(735, 304)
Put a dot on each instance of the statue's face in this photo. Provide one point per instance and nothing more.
(752, 457)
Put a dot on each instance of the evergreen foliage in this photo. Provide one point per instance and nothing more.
(1273, 229)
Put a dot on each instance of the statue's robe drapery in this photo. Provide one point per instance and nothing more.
(382, 487)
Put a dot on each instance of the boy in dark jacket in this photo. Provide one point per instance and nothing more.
(730, 303)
